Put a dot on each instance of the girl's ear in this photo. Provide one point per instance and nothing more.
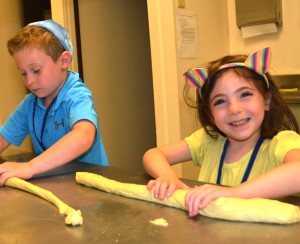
(268, 101)
(65, 59)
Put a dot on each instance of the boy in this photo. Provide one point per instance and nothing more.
(59, 113)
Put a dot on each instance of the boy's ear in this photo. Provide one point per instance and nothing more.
(65, 59)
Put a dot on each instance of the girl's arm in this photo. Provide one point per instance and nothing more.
(281, 181)
(157, 162)
(69, 147)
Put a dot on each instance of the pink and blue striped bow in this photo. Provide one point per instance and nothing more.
(258, 62)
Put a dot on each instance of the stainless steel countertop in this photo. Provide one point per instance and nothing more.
(109, 218)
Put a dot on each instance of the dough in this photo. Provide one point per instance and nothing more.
(160, 222)
(236, 209)
(73, 217)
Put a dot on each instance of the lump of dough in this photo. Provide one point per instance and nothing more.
(160, 222)
(74, 218)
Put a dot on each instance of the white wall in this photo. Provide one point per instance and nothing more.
(164, 67)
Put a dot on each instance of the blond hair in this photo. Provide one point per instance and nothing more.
(35, 37)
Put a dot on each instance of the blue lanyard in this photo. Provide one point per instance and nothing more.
(250, 164)
(44, 122)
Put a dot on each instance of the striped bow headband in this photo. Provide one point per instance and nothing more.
(258, 62)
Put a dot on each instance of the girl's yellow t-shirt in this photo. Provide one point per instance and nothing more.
(206, 153)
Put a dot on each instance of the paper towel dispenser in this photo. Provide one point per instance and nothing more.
(256, 12)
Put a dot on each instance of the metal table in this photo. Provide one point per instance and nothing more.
(109, 218)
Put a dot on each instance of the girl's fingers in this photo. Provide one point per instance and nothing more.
(156, 188)
(150, 184)
(198, 198)
(170, 190)
(162, 190)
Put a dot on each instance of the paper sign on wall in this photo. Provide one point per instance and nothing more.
(187, 34)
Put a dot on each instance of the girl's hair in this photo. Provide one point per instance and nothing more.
(35, 37)
(278, 118)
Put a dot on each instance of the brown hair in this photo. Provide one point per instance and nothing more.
(278, 118)
(35, 37)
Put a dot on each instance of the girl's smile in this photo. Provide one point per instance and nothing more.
(240, 123)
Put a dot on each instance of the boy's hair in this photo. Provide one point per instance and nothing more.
(278, 118)
(32, 36)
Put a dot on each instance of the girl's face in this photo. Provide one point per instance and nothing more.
(237, 107)
(41, 75)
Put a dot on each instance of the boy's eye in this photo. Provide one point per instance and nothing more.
(36, 71)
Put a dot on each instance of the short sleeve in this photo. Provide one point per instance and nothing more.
(284, 142)
(203, 147)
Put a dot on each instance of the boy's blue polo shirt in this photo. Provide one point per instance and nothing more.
(74, 103)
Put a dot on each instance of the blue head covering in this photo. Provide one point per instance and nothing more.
(58, 31)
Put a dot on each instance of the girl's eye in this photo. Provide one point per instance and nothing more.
(218, 102)
(246, 94)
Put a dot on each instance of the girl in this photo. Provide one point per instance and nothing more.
(247, 129)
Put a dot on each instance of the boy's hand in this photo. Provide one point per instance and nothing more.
(14, 169)
(165, 186)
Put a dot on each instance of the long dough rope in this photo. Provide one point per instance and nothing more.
(236, 209)
(73, 217)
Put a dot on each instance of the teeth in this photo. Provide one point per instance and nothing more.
(241, 122)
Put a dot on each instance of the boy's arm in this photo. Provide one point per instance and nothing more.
(69, 147)
(3, 144)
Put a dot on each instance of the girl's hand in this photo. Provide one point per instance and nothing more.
(200, 196)
(165, 186)
(14, 169)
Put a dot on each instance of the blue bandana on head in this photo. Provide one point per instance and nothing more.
(58, 31)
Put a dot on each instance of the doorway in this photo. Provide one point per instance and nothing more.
(116, 61)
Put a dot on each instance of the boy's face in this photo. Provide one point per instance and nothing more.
(41, 75)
